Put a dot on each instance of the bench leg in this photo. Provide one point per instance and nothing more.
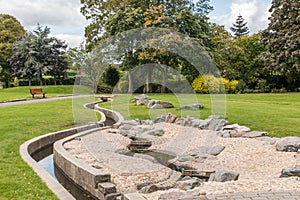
(32, 96)
(44, 95)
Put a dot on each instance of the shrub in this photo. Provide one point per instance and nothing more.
(210, 84)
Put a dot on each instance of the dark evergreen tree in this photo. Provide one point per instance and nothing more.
(111, 76)
(240, 28)
(36, 54)
(282, 58)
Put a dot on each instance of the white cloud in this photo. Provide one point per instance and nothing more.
(62, 16)
(71, 40)
(254, 12)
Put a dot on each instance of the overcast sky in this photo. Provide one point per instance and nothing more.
(67, 23)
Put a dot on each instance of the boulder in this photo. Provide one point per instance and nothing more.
(141, 97)
(254, 134)
(188, 183)
(157, 104)
(192, 107)
(160, 119)
(145, 157)
(149, 188)
(185, 158)
(217, 124)
(170, 118)
(156, 132)
(223, 176)
(216, 150)
(288, 144)
(288, 172)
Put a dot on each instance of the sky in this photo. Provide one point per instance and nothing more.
(66, 22)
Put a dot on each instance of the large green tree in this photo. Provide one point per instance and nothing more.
(37, 54)
(10, 30)
(237, 57)
(130, 15)
(282, 39)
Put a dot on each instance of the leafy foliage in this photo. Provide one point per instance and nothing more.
(10, 30)
(111, 76)
(282, 39)
(36, 54)
(239, 28)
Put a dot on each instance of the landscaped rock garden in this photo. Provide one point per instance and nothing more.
(172, 157)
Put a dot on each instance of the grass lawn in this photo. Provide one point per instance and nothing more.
(19, 124)
(276, 113)
(23, 92)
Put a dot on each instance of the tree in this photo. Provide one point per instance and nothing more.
(239, 28)
(111, 76)
(10, 30)
(36, 54)
(237, 58)
(130, 14)
(281, 38)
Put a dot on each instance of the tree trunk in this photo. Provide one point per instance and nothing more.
(163, 85)
(129, 83)
(148, 88)
(29, 82)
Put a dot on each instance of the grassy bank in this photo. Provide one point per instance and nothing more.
(19, 124)
(23, 92)
(277, 114)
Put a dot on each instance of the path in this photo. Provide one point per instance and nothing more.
(29, 101)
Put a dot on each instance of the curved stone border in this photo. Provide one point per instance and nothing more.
(80, 173)
(30, 147)
(34, 145)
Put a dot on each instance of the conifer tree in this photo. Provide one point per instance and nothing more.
(240, 28)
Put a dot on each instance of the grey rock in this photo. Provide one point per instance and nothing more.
(160, 119)
(254, 134)
(156, 104)
(226, 134)
(156, 132)
(216, 150)
(217, 124)
(170, 118)
(141, 97)
(149, 188)
(126, 127)
(236, 127)
(196, 122)
(236, 133)
(145, 157)
(192, 107)
(131, 122)
(223, 176)
(147, 122)
(288, 144)
(269, 139)
(199, 150)
(185, 158)
(188, 183)
(204, 124)
(288, 172)
(202, 156)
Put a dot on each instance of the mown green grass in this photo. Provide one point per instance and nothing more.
(19, 124)
(278, 114)
(23, 92)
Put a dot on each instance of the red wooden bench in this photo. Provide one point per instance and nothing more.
(34, 91)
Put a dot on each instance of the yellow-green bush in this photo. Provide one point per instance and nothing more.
(210, 84)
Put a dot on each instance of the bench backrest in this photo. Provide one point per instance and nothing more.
(36, 90)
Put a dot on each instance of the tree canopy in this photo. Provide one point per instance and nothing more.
(282, 39)
(10, 30)
(37, 54)
(239, 28)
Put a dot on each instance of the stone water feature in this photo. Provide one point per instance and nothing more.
(97, 161)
